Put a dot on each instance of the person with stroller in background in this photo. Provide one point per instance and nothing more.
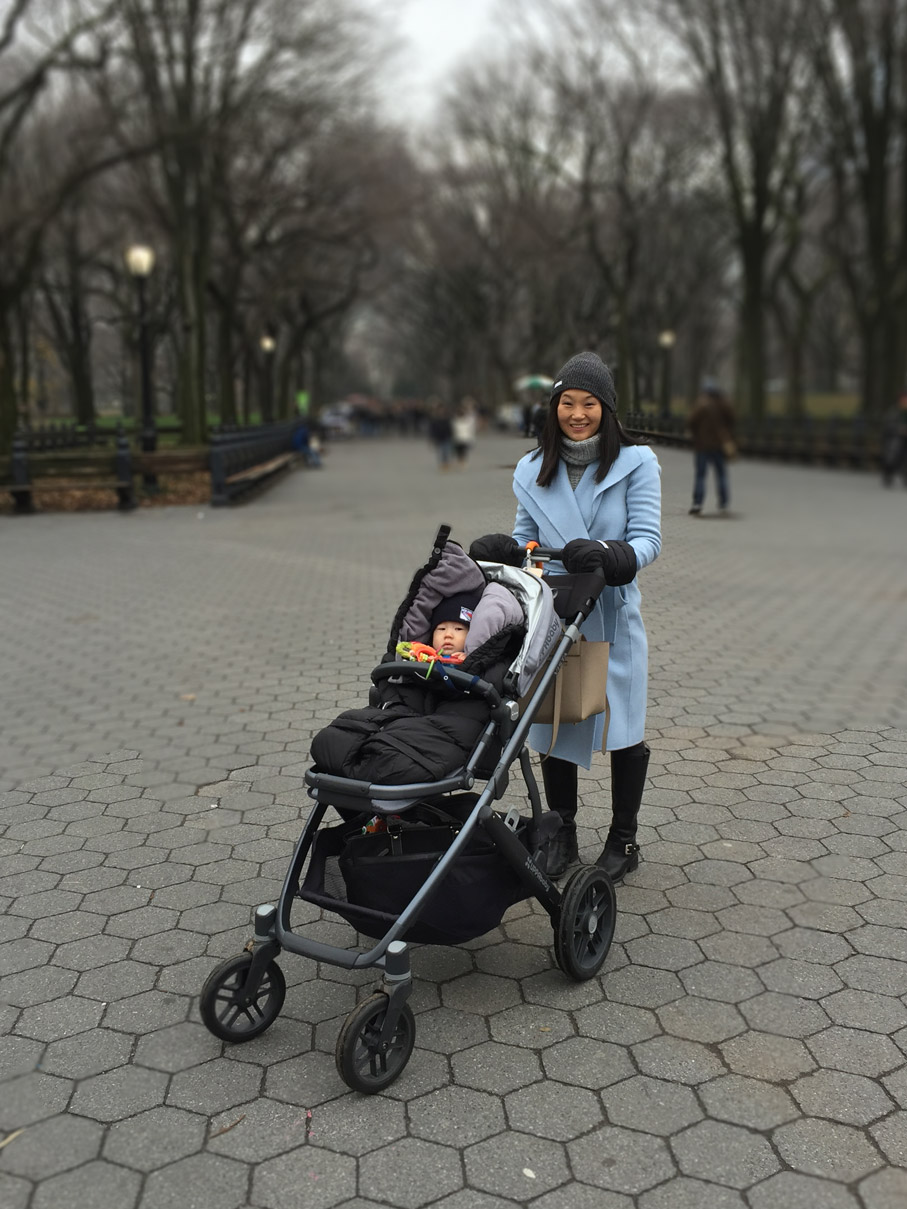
(594, 491)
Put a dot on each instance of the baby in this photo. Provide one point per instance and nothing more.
(449, 623)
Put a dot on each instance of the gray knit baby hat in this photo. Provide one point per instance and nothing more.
(587, 371)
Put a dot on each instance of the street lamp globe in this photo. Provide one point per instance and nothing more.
(268, 344)
(667, 338)
(140, 260)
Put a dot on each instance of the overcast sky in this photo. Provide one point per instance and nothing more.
(436, 35)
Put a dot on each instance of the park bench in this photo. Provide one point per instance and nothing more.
(70, 469)
(243, 459)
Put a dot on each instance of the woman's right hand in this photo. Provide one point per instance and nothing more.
(497, 548)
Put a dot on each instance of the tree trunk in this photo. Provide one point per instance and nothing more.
(751, 369)
(226, 380)
(9, 416)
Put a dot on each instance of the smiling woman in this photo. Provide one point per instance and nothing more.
(591, 490)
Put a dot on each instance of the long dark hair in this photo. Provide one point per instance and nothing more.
(612, 432)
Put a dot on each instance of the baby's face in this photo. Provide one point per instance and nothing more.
(449, 637)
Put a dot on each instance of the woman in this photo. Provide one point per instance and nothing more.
(594, 491)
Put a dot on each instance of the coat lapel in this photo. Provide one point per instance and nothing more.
(555, 509)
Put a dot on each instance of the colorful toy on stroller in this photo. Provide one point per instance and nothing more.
(421, 856)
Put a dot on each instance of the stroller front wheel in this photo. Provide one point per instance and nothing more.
(230, 1014)
(363, 1062)
(585, 926)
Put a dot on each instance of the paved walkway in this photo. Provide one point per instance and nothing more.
(745, 1046)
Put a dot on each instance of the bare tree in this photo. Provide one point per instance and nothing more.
(749, 57)
(860, 51)
(70, 40)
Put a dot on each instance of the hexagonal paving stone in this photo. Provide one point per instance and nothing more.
(827, 1149)
(677, 1060)
(553, 1110)
(60, 1018)
(651, 1106)
(87, 1054)
(856, 1051)
(800, 1192)
(18, 1056)
(621, 1160)
(891, 1138)
(410, 1173)
(885, 1190)
(851, 1099)
(516, 1165)
(531, 1025)
(476, 1115)
(45, 1149)
(119, 1093)
(696, 1019)
(214, 1087)
(95, 1183)
(749, 1102)
(494, 1067)
(684, 1193)
(32, 1097)
(447, 1031)
(787, 1015)
(205, 1181)
(765, 1056)
(584, 1062)
(177, 1047)
(725, 1154)
(356, 1124)
(155, 1138)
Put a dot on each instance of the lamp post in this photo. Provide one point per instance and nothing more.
(666, 340)
(140, 263)
(267, 344)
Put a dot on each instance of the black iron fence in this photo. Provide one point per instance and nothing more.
(69, 457)
(243, 458)
(833, 441)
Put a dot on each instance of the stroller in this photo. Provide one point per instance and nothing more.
(431, 861)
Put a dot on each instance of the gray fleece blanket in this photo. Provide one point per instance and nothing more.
(456, 572)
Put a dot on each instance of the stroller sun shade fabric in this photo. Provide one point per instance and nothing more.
(543, 628)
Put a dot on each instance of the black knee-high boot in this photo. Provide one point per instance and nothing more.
(628, 780)
(560, 780)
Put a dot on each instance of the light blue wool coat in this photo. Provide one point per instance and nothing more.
(624, 506)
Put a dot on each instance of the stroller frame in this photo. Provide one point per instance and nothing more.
(244, 995)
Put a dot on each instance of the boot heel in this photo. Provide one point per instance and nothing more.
(618, 860)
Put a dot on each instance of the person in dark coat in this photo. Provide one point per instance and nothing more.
(440, 433)
(894, 443)
(711, 426)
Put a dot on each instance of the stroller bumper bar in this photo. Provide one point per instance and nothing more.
(428, 673)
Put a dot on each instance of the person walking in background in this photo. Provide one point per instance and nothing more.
(711, 427)
(440, 432)
(594, 491)
(894, 443)
(465, 426)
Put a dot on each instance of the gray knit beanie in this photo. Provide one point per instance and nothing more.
(587, 371)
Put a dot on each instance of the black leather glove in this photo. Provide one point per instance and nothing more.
(497, 548)
(616, 559)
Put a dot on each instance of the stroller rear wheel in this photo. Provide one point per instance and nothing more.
(585, 926)
(225, 1010)
(364, 1064)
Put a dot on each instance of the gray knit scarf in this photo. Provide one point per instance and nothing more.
(578, 455)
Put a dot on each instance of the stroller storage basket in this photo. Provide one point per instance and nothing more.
(369, 879)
